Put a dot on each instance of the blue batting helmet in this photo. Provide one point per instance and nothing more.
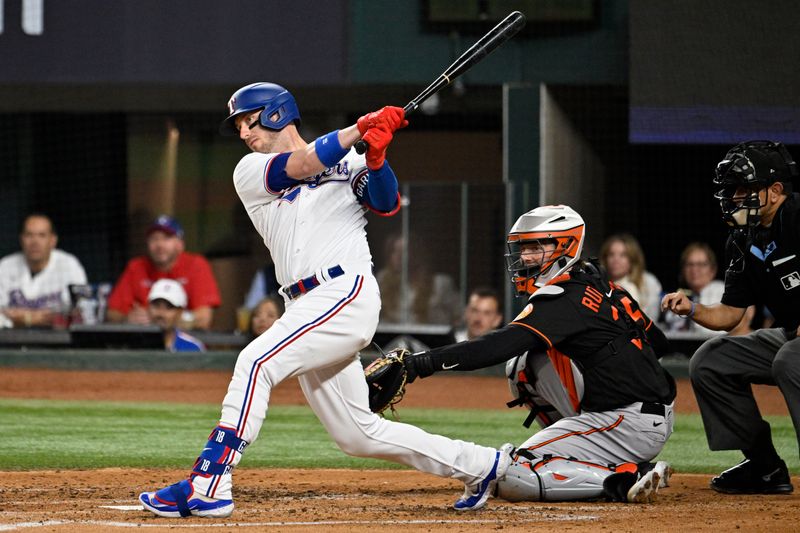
(278, 104)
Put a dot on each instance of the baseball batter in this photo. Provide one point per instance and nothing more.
(308, 201)
(591, 354)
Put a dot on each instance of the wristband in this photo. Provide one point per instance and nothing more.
(690, 314)
(329, 150)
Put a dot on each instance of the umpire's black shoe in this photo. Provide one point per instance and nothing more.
(747, 478)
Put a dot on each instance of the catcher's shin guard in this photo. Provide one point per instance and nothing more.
(555, 479)
(211, 473)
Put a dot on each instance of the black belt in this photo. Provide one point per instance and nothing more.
(649, 408)
(306, 284)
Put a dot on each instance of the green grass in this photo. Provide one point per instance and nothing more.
(41, 434)
(687, 448)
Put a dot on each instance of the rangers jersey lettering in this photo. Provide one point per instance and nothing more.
(315, 224)
(48, 289)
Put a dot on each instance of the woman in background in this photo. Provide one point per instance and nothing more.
(622, 257)
(698, 281)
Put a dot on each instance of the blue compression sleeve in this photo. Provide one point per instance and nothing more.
(381, 189)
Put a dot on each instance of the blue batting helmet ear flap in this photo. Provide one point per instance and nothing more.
(278, 104)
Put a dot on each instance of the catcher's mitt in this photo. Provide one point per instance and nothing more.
(386, 378)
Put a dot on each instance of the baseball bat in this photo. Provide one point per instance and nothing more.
(494, 38)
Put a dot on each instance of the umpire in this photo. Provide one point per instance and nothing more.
(764, 251)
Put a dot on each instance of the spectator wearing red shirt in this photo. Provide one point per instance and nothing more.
(165, 258)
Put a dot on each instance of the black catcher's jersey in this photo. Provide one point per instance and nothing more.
(601, 328)
(770, 274)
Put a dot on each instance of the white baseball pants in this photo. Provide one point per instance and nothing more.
(318, 339)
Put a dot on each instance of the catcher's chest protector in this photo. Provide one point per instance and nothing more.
(550, 393)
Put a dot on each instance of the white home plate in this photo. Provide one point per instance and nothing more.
(122, 507)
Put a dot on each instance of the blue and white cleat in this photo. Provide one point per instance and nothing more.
(475, 496)
(179, 500)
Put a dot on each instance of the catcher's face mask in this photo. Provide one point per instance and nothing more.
(537, 253)
(543, 244)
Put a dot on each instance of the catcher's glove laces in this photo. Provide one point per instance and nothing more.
(378, 349)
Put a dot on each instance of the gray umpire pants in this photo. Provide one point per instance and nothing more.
(722, 371)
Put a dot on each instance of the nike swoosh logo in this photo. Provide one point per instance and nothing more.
(204, 449)
(449, 367)
(608, 294)
(768, 477)
(656, 424)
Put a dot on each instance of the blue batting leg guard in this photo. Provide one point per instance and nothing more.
(211, 473)
(207, 492)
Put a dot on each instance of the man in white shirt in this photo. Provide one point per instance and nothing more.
(34, 283)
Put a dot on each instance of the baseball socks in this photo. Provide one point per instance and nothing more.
(207, 491)
(762, 453)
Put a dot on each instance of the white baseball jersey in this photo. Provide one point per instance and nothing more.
(49, 289)
(310, 227)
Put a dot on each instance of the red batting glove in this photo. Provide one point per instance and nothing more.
(378, 140)
(389, 118)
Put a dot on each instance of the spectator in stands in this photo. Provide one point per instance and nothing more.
(698, 281)
(429, 298)
(165, 258)
(265, 313)
(481, 315)
(622, 257)
(34, 283)
(166, 302)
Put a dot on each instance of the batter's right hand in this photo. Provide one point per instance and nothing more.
(377, 140)
(677, 302)
(388, 118)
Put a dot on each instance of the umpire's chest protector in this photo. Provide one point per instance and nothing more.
(772, 267)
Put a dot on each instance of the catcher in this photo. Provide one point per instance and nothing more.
(582, 356)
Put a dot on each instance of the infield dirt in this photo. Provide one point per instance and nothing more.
(344, 500)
